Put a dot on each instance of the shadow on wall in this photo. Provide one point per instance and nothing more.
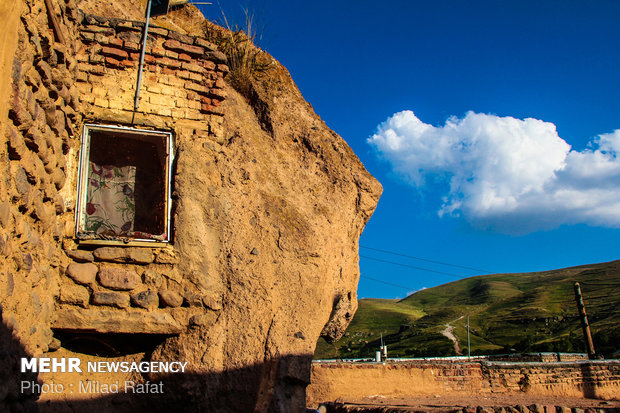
(11, 352)
(589, 381)
(272, 386)
(244, 390)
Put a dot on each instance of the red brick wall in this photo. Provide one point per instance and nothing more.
(182, 80)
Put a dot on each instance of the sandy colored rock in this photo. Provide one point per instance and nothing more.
(75, 294)
(192, 299)
(8, 284)
(103, 320)
(152, 278)
(80, 255)
(145, 299)
(260, 172)
(170, 298)
(212, 301)
(342, 314)
(125, 255)
(286, 186)
(111, 298)
(202, 319)
(118, 278)
(166, 256)
(82, 273)
(5, 214)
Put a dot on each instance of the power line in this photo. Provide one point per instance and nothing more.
(388, 283)
(426, 260)
(412, 266)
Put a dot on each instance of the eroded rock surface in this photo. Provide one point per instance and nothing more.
(267, 208)
(298, 196)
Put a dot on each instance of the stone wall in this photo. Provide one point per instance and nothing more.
(589, 379)
(37, 145)
(61, 69)
(39, 141)
(140, 289)
(267, 207)
(70, 69)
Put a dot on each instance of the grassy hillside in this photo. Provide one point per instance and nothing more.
(507, 312)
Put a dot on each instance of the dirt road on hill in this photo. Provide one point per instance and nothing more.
(449, 332)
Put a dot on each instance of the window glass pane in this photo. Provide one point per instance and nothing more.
(126, 177)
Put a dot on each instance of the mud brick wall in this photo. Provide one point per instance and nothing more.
(36, 192)
(39, 125)
(120, 289)
(540, 357)
(60, 69)
(590, 379)
(581, 379)
(183, 77)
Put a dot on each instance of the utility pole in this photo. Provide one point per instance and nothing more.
(584, 322)
(468, 352)
(136, 101)
(153, 8)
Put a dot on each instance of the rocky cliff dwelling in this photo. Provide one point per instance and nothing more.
(124, 277)
(209, 227)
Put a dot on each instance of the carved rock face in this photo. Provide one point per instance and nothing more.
(268, 207)
(275, 229)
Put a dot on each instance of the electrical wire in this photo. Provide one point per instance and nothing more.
(590, 284)
(388, 283)
(427, 260)
(412, 266)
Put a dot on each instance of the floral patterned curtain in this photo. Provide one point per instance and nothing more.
(110, 204)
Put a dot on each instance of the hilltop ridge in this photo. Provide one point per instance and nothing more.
(508, 312)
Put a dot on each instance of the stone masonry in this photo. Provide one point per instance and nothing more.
(37, 151)
(137, 289)
(266, 208)
(183, 75)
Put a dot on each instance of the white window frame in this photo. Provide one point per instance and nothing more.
(80, 210)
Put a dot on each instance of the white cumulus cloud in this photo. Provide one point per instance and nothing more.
(507, 174)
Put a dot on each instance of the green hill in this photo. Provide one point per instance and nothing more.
(507, 312)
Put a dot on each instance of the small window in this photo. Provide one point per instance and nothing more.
(124, 185)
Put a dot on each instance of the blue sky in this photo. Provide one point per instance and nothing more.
(490, 124)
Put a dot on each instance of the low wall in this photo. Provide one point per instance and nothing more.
(587, 379)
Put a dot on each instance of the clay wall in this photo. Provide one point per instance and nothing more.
(37, 141)
(182, 82)
(60, 70)
(595, 379)
(181, 92)
(267, 206)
